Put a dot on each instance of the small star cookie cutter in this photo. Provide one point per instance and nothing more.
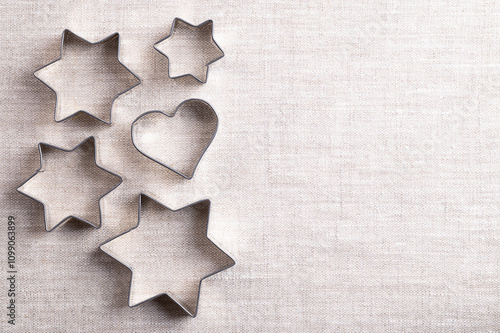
(43, 147)
(205, 204)
(67, 35)
(183, 24)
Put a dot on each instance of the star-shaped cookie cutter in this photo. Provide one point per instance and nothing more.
(41, 147)
(67, 34)
(175, 25)
(107, 249)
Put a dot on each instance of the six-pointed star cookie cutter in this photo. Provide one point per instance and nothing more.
(191, 313)
(41, 147)
(65, 35)
(191, 26)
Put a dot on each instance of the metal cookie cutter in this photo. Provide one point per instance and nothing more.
(70, 192)
(210, 53)
(177, 142)
(163, 243)
(72, 78)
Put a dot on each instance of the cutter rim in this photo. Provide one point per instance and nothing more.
(195, 312)
(172, 116)
(104, 40)
(66, 219)
(172, 29)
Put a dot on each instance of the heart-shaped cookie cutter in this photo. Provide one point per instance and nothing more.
(199, 108)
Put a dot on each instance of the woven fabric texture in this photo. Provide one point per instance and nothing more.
(354, 176)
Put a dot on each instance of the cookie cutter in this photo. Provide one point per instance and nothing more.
(41, 147)
(190, 313)
(65, 36)
(203, 104)
(193, 27)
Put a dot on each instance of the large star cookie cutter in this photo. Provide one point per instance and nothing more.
(64, 199)
(177, 142)
(89, 77)
(183, 36)
(164, 244)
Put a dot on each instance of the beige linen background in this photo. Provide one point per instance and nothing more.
(355, 176)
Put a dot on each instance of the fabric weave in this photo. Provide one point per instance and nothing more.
(354, 177)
